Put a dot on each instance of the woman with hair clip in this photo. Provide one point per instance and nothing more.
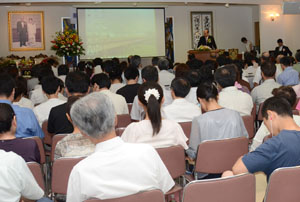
(217, 123)
(154, 130)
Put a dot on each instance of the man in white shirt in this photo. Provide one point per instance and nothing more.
(16, 180)
(194, 79)
(181, 110)
(262, 92)
(50, 87)
(248, 44)
(165, 77)
(101, 83)
(230, 97)
(116, 169)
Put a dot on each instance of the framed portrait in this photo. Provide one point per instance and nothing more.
(66, 24)
(199, 22)
(169, 29)
(26, 30)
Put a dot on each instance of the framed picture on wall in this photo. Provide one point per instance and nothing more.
(169, 29)
(26, 30)
(199, 22)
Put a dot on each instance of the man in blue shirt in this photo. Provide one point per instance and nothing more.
(289, 76)
(27, 124)
(282, 150)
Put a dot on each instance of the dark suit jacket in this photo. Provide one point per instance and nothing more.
(285, 51)
(212, 43)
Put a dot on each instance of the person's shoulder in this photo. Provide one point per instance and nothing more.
(59, 108)
(22, 110)
(10, 158)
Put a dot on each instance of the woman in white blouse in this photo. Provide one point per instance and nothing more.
(154, 130)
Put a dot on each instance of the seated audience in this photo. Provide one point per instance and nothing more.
(289, 76)
(101, 84)
(194, 79)
(165, 77)
(89, 69)
(282, 150)
(17, 181)
(97, 62)
(116, 79)
(53, 64)
(241, 80)
(154, 130)
(94, 115)
(181, 110)
(50, 86)
(249, 68)
(136, 61)
(286, 92)
(63, 71)
(262, 92)
(154, 62)
(26, 148)
(73, 144)
(33, 81)
(230, 97)
(77, 83)
(20, 92)
(217, 123)
(194, 63)
(181, 70)
(296, 66)
(129, 91)
(27, 124)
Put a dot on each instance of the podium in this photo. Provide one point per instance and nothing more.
(204, 55)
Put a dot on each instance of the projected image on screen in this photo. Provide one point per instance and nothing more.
(122, 32)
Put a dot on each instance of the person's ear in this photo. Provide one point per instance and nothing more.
(68, 117)
(172, 93)
(116, 120)
(67, 91)
(12, 95)
(162, 101)
(14, 122)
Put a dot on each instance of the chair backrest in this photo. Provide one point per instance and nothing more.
(36, 171)
(174, 159)
(129, 107)
(40, 145)
(55, 140)
(186, 127)
(217, 156)
(249, 124)
(146, 196)
(259, 116)
(284, 185)
(48, 136)
(119, 131)
(229, 189)
(123, 120)
(61, 170)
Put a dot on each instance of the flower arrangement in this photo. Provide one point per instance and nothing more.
(67, 43)
(204, 48)
(25, 63)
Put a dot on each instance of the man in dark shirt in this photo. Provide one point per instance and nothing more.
(77, 84)
(282, 50)
(26, 148)
(130, 90)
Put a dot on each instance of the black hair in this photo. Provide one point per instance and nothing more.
(77, 82)
(89, 69)
(153, 104)
(61, 84)
(163, 64)
(297, 56)
(52, 62)
(131, 73)
(207, 91)
(191, 56)
(286, 92)
(35, 70)
(277, 104)
(70, 102)
(279, 41)
(116, 60)
(116, 73)
(243, 39)
(45, 72)
(239, 67)
(123, 66)
(226, 76)
(222, 60)
(12, 70)
(21, 87)
(213, 63)
(7, 84)
(194, 63)
(6, 116)
(101, 80)
(135, 61)
(193, 77)
(181, 87)
(150, 73)
(50, 84)
(81, 66)
(97, 61)
(206, 73)
(62, 70)
(286, 61)
(248, 58)
(154, 61)
(181, 70)
(108, 65)
(268, 69)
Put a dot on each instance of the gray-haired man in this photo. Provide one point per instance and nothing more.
(116, 168)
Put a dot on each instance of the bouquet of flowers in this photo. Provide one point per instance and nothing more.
(203, 48)
(25, 63)
(67, 43)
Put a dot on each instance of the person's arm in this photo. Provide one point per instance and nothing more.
(51, 127)
(73, 191)
(195, 140)
(239, 167)
(289, 52)
(136, 110)
(36, 128)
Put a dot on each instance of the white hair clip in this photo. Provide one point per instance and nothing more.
(151, 91)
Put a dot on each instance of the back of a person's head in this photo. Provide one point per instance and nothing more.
(150, 73)
(116, 73)
(81, 66)
(45, 72)
(35, 70)
(70, 102)
(213, 64)
(191, 56)
(52, 62)
(77, 82)
(193, 77)
(163, 64)
(7, 84)
(181, 70)
(243, 39)
(12, 70)
(101, 80)
(268, 69)
(277, 104)
(21, 87)
(297, 56)
(207, 91)
(50, 84)
(181, 87)
(123, 66)
(6, 116)
(286, 92)
(89, 69)
(279, 41)
(97, 61)
(116, 60)
(94, 115)
(108, 65)
(154, 61)
(135, 61)
(265, 56)
(150, 94)
(239, 64)
(206, 73)
(194, 63)
(248, 58)
(62, 70)
(221, 60)
(131, 73)
(286, 61)
(226, 76)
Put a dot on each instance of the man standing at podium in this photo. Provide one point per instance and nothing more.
(207, 40)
